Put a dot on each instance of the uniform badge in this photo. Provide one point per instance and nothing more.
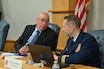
(78, 48)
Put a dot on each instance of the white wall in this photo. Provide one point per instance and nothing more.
(0, 5)
(96, 15)
(19, 13)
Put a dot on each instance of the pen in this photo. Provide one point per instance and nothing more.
(26, 45)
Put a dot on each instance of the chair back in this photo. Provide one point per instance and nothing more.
(4, 27)
(99, 36)
(0, 16)
(54, 27)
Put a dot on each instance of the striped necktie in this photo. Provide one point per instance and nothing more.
(35, 37)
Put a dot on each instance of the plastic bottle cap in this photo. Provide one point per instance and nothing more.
(55, 61)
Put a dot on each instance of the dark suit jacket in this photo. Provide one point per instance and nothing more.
(47, 37)
(88, 53)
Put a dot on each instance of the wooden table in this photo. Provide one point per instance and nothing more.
(26, 66)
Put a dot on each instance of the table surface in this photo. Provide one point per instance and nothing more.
(27, 66)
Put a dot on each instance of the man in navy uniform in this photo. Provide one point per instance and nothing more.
(81, 47)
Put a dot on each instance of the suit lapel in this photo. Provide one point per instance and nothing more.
(76, 43)
(42, 35)
(72, 48)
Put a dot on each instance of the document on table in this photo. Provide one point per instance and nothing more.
(12, 55)
(7, 54)
(16, 56)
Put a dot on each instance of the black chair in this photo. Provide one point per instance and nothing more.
(54, 27)
(0, 16)
(99, 36)
(4, 27)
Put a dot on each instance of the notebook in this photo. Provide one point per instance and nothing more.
(40, 52)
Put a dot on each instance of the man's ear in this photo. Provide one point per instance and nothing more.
(71, 28)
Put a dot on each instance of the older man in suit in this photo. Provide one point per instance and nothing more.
(81, 47)
(47, 36)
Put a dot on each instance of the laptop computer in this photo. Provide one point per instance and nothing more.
(40, 52)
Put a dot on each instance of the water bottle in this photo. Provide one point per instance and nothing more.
(31, 62)
(55, 65)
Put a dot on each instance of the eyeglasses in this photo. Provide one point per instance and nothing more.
(42, 20)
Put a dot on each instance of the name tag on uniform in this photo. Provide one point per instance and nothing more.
(12, 63)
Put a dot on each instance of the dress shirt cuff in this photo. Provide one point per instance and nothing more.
(54, 53)
(63, 58)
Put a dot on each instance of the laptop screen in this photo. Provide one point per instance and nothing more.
(40, 52)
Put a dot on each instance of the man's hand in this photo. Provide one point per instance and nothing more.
(55, 57)
(23, 50)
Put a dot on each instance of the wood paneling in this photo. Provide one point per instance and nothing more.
(9, 45)
(61, 8)
(62, 36)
